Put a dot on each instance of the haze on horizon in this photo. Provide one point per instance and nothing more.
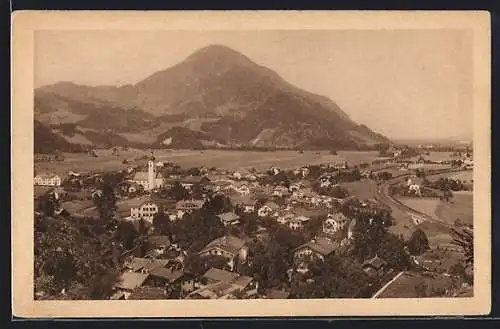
(405, 84)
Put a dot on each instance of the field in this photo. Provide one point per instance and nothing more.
(461, 208)
(425, 205)
(407, 286)
(209, 158)
(440, 260)
(428, 166)
(438, 156)
(363, 190)
(438, 235)
(464, 175)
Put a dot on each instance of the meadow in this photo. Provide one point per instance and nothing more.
(223, 159)
(409, 284)
(462, 208)
(364, 189)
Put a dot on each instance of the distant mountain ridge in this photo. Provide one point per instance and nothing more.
(216, 93)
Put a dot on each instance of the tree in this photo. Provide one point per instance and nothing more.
(418, 242)
(178, 192)
(464, 238)
(217, 204)
(105, 202)
(47, 203)
(69, 265)
(447, 195)
(162, 224)
(127, 234)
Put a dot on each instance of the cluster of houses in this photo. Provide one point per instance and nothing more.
(293, 205)
(163, 271)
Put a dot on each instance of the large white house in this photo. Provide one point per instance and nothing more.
(334, 222)
(146, 211)
(150, 179)
(47, 180)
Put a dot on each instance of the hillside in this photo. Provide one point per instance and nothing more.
(46, 141)
(217, 93)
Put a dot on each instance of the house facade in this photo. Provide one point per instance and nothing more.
(314, 250)
(229, 247)
(47, 180)
(187, 207)
(146, 211)
(334, 222)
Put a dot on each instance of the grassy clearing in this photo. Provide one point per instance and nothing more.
(461, 207)
(440, 260)
(465, 177)
(365, 189)
(438, 235)
(406, 286)
(424, 205)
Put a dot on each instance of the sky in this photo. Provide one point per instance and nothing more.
(405, 84)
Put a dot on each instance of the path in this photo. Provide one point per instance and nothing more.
(381, 290)
(382, 195)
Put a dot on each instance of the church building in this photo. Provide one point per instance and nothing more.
(150, 179)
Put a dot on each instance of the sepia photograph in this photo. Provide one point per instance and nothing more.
(268, 164)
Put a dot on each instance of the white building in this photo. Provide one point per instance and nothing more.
(146, 211)
(334, 222)
(47, 180)
(150, 179)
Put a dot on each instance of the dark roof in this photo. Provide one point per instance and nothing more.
(131, 280)
(243, 281)
(228, 217)
(195, 203)
(144, 293)
(227, 243)
(165, 273)
(271, 204)
(220, 275)
(376, 262)
(137, 264)
(322, 246)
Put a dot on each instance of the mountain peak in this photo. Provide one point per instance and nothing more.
(218, 53)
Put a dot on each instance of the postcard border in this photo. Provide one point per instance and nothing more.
(24, 23)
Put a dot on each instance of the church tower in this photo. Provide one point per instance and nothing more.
(151, 175)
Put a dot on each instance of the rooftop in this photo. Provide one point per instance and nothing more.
(131, 280)
(375, 262)
(321, 245)
(220, 275)
(228, 243)
(145, 293)
(163, 272)
(228, 217)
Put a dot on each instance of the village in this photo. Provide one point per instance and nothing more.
(212, 233)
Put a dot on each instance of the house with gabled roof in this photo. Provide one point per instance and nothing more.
(269, 208)
(316, 249)
(229, 218)
(374, 266)
(230, 247)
